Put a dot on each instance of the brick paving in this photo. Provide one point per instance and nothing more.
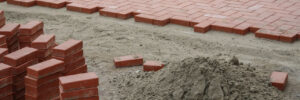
(271, 19)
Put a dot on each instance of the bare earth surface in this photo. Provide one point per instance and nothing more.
(188, 73)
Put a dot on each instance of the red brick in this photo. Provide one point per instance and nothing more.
(125, 14)
(144, 18)
(31, 27)
(74, 7)
(161, 20)
(269, 34)
(26, 3)
(78, 81)
(89, 9)
(180, 20)
(5, 81)
(9, 29)
(22, 68)
(43, 41)
(56, 3)
(241, 29)
(279, 79)
(77, 94)
(5, 70)
(42, 81)
(41, 90)
(203, 27)
(153, 66)
(108, 12)
(81, 69)
(45, 68)
(30, 38)
(74, 65)
(71, 58)
(223, 26)
(130, 60)
(2, 39)
(67, 48)
(20, 56)
(288, 36)
(5, 91)
(42, 3)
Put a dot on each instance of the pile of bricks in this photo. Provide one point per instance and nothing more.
(79, 87)
(41, 82)
(6, 91)
(29, 32)
(44, 44)
(2, 18)
(20, 60)
(11, 31)
(72, 54)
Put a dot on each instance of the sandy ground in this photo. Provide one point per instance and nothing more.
(105, 38)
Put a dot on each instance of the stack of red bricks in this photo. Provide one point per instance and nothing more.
(29, 32)
(11, 31)
(20, 60)
(44, 44)
(79, 87)
(2, 18)
(72, 54)
(6, 91)
(41, 82)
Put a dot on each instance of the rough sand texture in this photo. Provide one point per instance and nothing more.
(105, 38)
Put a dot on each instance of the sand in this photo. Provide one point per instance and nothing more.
(105, 38)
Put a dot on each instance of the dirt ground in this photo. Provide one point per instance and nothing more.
(177, 46)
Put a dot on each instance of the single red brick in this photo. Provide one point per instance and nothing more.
(74, 65)
(153, 66)
(125, 14)
(77, 94)
(203, 27)
(74, 7)
(38, 82)
(180, 20)
(9, 29)
(78, 81)
(43, 41)
(279, 79)
(81, 69)
(57, 3)
(5, 91)
(20, 56)
(89, 9)
(30, 38)
(108, 12)
(241, 29)
(42, 89)
(22, 68)
(5, 81)
(161, 20)
(31, 27)
(126, 61)
(288, 36)
(42, 3)
(45, 68)
(269, 34)
(144, 18)
(2, 39)
(67, 48)
(223, 26)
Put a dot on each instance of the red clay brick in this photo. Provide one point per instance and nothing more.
(124, 14)
(56, 3)
(74, 65)
(67, 48)
(20, 56)
(22, 68)
(108, 12)
(2, 39)
(279, 79)
(263, 33)
(9, 29)
(89, 9)
(42, 89)
(3, 52)
(26, 3)
(78, 81)
(74, 7)
(144, 18)
(130, 60)
(161, 20)
(38, 82)
(5, 91)
(31, 27)
(203, 27)
(76, 94)
(42, 3)
(180, 20)
(81, 69)
(30, 38)
(71, 58)
(5, 81)
(45, 68)
(153, 66)
(43, 41)
(288, 36)
(241, 29)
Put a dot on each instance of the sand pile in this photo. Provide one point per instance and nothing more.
(198, 79)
